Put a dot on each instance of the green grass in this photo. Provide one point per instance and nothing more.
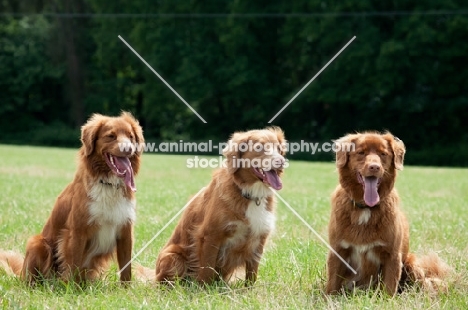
(292, 272)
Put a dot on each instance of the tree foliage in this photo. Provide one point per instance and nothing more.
(237, 63)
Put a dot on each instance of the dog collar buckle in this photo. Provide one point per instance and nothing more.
(258, 200)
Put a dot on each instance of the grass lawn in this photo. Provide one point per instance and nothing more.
(292, 271)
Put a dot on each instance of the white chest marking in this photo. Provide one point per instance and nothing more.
(362, 251)
(110, 210)
(261, 221)
(364, 216)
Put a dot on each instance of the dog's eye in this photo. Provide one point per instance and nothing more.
(361, 153)
(111, 136)
(131, 137)
(383, 154)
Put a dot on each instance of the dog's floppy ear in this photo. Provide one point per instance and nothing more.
(399, 150)
(280, 136)
(89, 132)
(137, 130)
(342, 148)
(232, 152)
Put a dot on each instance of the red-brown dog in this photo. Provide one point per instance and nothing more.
(93, 216)
(227, 225)
(367, 227)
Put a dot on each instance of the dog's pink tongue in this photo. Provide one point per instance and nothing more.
(273, 179)
(371, 195)
(123, 164)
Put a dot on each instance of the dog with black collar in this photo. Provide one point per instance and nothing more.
(367, 227)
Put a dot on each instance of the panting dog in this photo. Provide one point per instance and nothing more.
(225, 227)
(93, 216)
(367, 227)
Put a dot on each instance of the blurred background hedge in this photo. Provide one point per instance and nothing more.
(237, 63)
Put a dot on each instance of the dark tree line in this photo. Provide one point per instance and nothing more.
(237, 63)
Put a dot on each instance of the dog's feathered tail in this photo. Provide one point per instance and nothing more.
(11, 262)
(430, 271)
